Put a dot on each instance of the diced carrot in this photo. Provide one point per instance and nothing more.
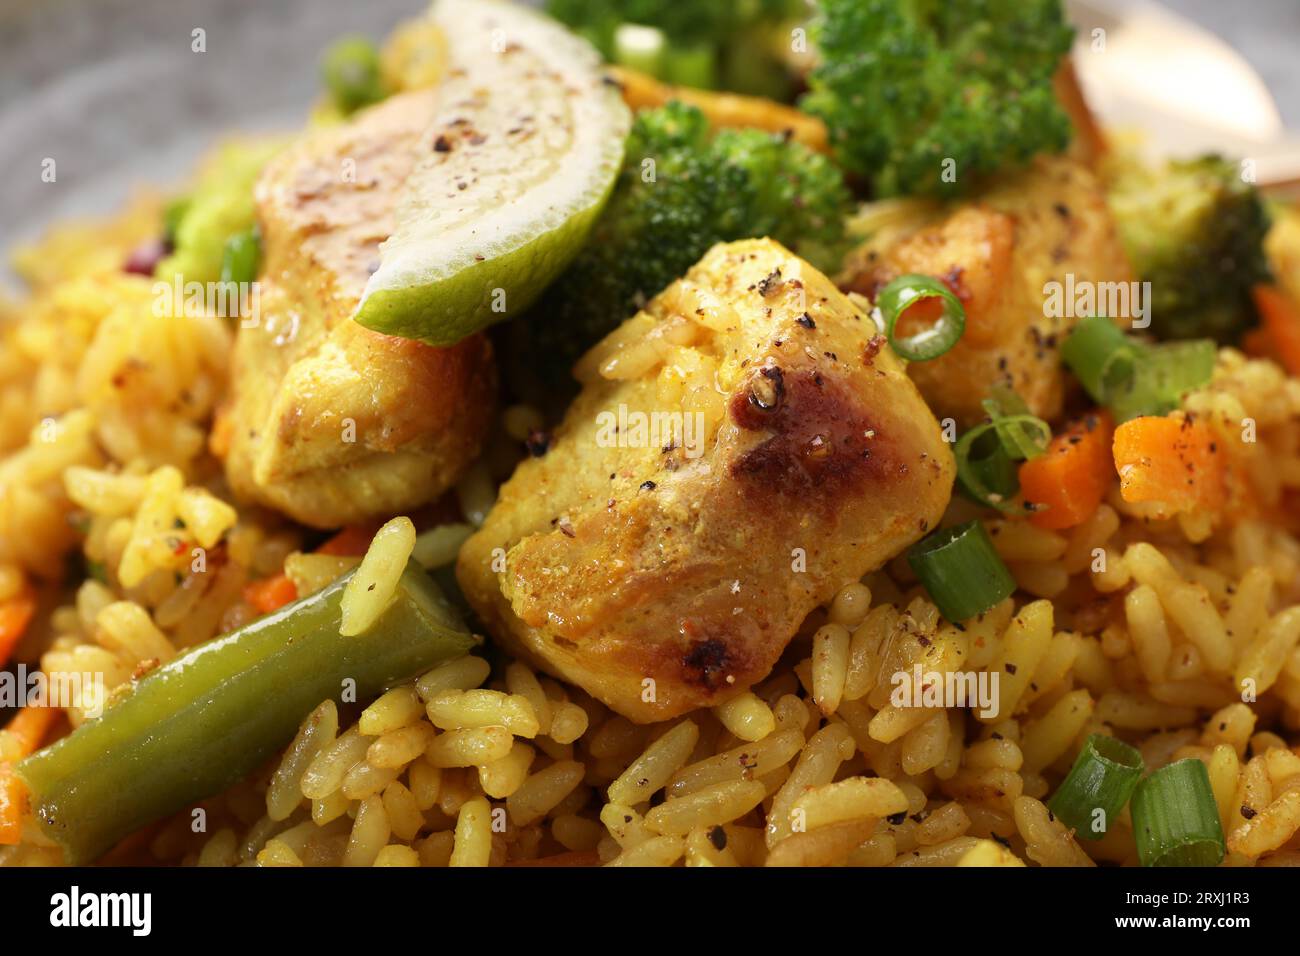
(12, 799)
(15, 614)
(1281, 317)
(271, 593)
(27, 729)
(1068, 481)
(1257, 343)
(352, 541)
(1175, 461)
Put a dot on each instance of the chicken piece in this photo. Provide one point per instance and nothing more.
(997, 253)
(330, 422)
(740, 450)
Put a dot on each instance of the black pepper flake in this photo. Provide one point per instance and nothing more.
(767, 391)
(770, 284)
(718, 837)
(442, 144)
(1011, 668)
(1248, 812)
(647, 486)
(806, 321)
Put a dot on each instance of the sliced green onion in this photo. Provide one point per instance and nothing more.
(1098, 785)
(240, 257)
(1161, 376)
(1133, 378)
(985, 471)
(640, 48)
(904, 292)
(1175, 819)
(960, 571)
(1023, 435)
(351, 71)
(1100, 355)
(694, 66)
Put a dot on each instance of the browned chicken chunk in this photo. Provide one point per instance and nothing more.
(740, 450)
(330, 422)
(997, 253)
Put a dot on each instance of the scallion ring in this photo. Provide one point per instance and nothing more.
(961, 571)
(1132, 378)
(985, 471)
(1161, 375)
(1175, 818)
(904, 292)
(1022, 434)
(1099, 784)
(1100, 355)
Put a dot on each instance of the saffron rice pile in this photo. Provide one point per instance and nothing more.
(1137, 624)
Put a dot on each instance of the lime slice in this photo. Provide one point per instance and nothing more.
(522, 154)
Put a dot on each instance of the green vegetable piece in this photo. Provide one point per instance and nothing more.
(1175, 818)
(1102, 779)
(1131, 377)
(1101, 356)
(1161, 376)
(925, 98)
(220, 206)
(904, 292)
(1023, 435)
(681, 191)
(640, 48)
(1194, 229)
(695, 66)
(744, 45)
(350, 68)
(200, 723)
(961, 571)
(986, 461)
(241, 256)
(173, 214)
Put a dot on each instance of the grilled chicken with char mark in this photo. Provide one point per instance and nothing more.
(740, 450)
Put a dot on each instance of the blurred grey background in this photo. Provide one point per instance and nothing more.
(114, 93)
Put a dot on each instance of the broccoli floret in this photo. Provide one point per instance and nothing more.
(698, 21)
(681, 190)
(904, 85)
(1195, 230)
(703, 43)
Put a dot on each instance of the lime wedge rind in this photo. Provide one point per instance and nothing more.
(521, 275)
(524, 151)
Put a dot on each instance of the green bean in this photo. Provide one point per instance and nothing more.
(200, 723)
